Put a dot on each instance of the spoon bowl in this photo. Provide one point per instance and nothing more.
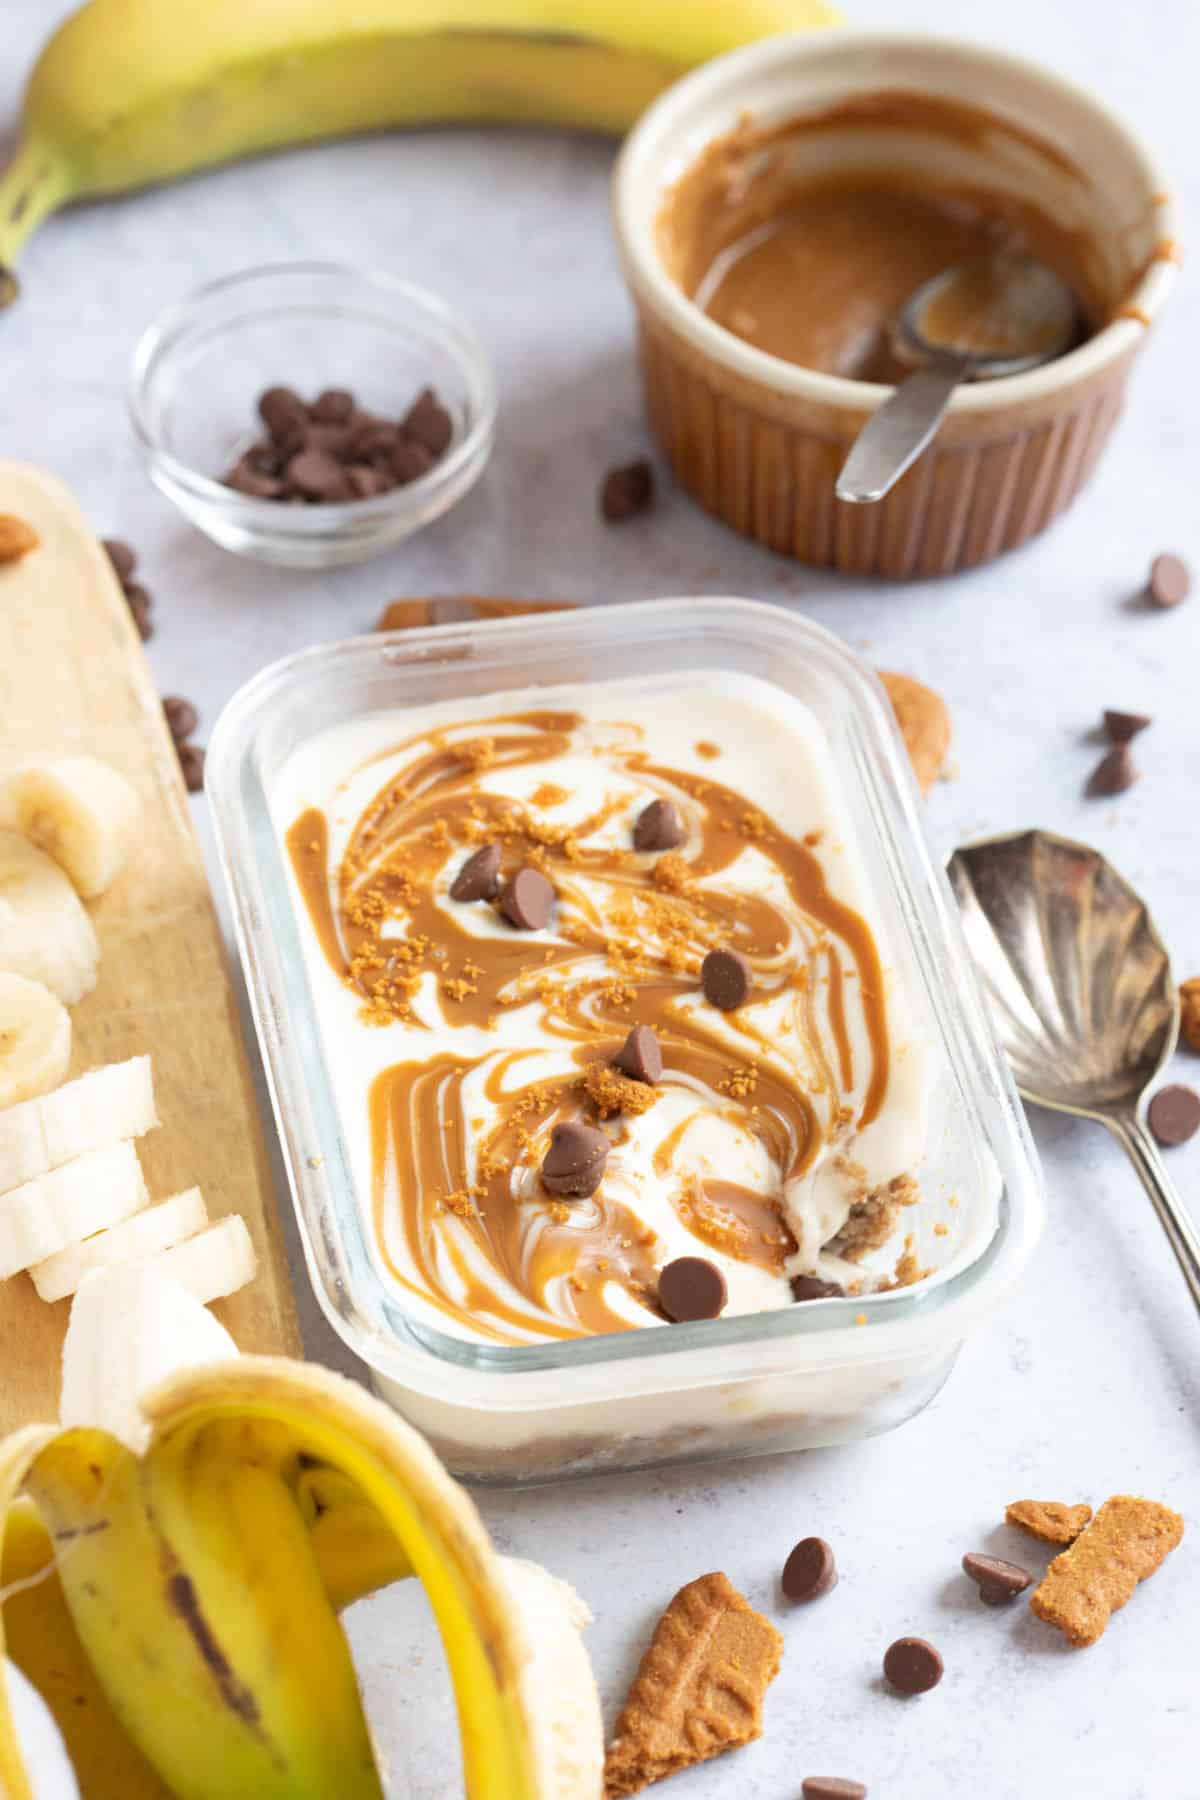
(1081, 993)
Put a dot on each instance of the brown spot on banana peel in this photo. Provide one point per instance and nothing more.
(181, 1593)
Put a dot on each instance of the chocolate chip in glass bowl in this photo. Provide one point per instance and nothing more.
(282, 411)
(640, 1056)
(574, 1164)
(333, 407)
(658, 827)
(725, 978)
(428, 423)
(690, 1288)
(479, 877)
(317, 475)
(527, 900)
(409, 460)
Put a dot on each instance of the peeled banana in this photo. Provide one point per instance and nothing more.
(185, 1630)
(127, 93)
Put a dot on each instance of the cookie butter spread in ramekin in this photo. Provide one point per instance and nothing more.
(782, 1139)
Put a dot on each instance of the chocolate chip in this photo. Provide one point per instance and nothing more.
(998, 1581)
(640, 1056)
(831, 1787)
(182, 717)
(527, 900)
(317, 475)
(574, 1163)
(191, 761)
(809, 1571)
(428, 423)
(913, 1666)
(282, 411)
(627, 491)
(725, 978)
(1113, 773)
(479, 877)
(365, 482)
(334, 407)
(1121, 726)
(409, 460)
(246, 477)
(658, 827)
(122, 558)
(811, 1287)
(1174, 1115)
(371, 440)
(691, 1287)
(1170, 580)
(140, 605)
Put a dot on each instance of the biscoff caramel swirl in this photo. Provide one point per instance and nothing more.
(457, 1139)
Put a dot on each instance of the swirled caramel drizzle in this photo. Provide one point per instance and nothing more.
(477, 1234)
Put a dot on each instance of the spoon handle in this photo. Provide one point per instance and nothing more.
(894, 436)
(1173, 1216)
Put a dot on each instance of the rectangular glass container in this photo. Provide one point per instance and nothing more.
(787, 1379)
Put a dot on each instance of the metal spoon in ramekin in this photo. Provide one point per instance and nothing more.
(977, 321)
(1081, 994)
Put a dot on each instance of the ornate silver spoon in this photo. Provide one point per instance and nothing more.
(1081, 994)
(974, 322)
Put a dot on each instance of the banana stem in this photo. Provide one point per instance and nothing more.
(33, 184)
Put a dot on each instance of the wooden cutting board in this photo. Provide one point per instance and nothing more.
(73, 678)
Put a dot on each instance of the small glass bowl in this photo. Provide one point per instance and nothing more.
(199, 369)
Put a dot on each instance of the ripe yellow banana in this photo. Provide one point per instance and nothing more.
(129, 92)
(189, 1596)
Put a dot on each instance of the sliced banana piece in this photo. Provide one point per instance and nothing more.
(130, 1329)
(158, 1228)
(45, 934)
(35, 1039)
(80, 811)
(557, 1684)
(101, 1108)
(83, 1197)
(214, 1264)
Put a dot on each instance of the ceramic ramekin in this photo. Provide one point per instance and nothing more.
(758, 441)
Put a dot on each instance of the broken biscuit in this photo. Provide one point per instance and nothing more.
(1049, 1520)
(699, 1690)
(1124, 1544)
(924, 721)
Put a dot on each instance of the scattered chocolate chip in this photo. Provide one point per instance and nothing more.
(640, 1056)
(811, 1287)
(691, 1287)
(282, 411)
(428, 423)
(182, 717)
(575, 1161)
(334, 407)
(317, 475)
(122, 558)
(1121, 726)
(141, 606)
(998, 1581)
(627, 491)
(479, 877)
(1113, 773)
(409, 460)
(725, 978)
(191, 761)
(831, 1787)
(658, 827)
(1170, 580)
(1174, 1115)
(527, 900)
(912, 1666)
(809, 1571)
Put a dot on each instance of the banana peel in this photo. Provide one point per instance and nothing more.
(177, 1610)
(127, 93)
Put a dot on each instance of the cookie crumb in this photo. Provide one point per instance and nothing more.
(1126, 1542)
(1050, 1520)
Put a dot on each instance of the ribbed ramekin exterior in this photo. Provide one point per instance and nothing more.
(766, 463)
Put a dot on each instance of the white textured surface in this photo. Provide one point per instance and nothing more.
(1088, 1383)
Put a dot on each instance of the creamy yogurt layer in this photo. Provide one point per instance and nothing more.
(783, 1139)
